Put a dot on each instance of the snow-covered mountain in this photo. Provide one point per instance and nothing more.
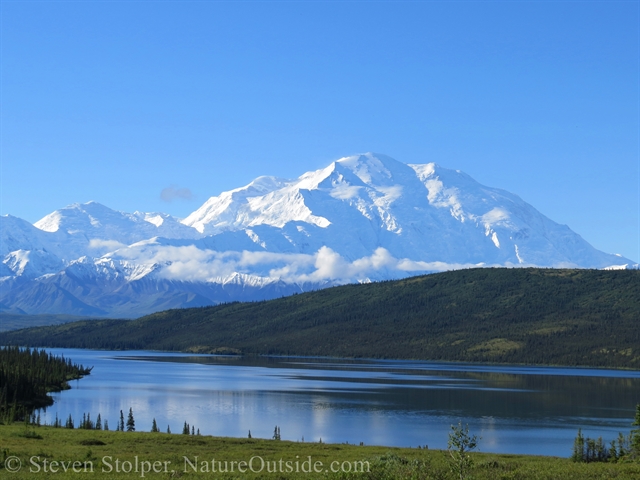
(362, 218)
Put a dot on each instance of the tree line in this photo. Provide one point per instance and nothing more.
(27, 375)
(625, 447)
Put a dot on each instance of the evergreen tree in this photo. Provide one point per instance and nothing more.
(193, 430)
(131, 424)
(99, 423)
(594, 450)
(154, 426)
(168, 429)
(635, 433)
(106, 424)
(121, 424)
(249, 433)
(613, 451)
(623, 445)
(591, 448)
(69, 423)
(185, 429)
(578, 448)
(601, 452)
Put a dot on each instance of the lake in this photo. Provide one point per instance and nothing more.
(515, 409)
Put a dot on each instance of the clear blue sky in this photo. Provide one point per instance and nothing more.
(115, 101)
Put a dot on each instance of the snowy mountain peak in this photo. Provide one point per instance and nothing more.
(92, 220)
(264, 184)
(265, 201)
(362, 218)
(372, 169)
(366, 201)
(75, 215)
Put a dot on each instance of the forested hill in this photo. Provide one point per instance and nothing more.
(533, 316)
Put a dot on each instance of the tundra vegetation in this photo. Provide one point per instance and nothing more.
(191, 456)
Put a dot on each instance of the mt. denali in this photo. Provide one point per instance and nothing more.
(362, 218)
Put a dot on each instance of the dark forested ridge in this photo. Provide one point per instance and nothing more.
(533, 316)
(11, 321)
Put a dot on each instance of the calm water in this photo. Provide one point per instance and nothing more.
(533, 410)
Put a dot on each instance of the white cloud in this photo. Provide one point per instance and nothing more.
(174, 192)
(189, 263)
(105, 245)
(344, 191)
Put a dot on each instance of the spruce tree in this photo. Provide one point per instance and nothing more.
(121, 424)
(623, 445)
(154, 426)
(185, 429)
(131, 424)
(578, 448)
(99, 423)
(635, 433)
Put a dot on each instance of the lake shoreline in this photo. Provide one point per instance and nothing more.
(516, 409)
(364, 359)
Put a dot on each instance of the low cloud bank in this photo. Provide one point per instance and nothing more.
(189, 263)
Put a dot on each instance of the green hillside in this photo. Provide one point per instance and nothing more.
(533, 316)
(12, 321)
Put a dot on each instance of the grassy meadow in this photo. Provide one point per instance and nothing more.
(45, 452)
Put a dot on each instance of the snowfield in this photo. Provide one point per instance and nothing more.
(362, 218)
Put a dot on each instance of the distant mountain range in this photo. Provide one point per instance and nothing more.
(363, 218)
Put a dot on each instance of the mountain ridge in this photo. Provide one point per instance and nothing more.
(525, 315)
(362, 218)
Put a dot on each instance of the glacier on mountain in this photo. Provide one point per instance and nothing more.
(362, 218)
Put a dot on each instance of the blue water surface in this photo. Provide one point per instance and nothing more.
(515, 409)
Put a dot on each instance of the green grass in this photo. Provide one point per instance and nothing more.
(99, 450)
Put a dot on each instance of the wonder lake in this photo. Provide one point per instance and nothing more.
(515, 409)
